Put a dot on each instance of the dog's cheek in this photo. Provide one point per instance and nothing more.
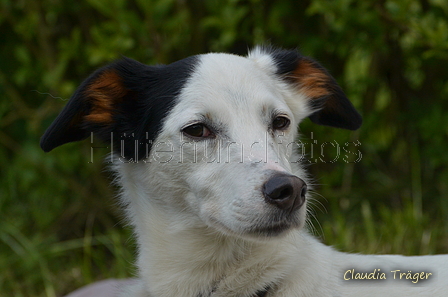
(229, 193)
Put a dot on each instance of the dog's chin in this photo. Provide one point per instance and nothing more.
(276, 226)
(265, 232)
(261, 229)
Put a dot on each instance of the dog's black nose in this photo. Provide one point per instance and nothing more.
(285, 191)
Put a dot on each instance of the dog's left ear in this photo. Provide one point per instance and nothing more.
(325, 97)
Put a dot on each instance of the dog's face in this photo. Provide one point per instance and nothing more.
(233, 124)
(213, 135)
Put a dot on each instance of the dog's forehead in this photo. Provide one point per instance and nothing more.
(224, 69)
(227, 85)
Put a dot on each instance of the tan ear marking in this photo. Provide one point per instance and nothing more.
(103, 93)
(313, 81)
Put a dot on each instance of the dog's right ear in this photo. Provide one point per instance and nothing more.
(123, 104)
(96, 105)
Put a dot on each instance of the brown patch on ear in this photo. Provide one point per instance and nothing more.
(313, 80)
(102, 94)
(331, 106)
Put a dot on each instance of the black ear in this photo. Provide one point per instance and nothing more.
(123, 104)
(95, 106)
(332, 108)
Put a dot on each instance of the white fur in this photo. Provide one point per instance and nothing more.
(192, 204)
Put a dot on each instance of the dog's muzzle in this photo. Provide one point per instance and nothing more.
(285, 191)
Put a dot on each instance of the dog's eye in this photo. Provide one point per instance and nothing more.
(197, 131)
(280, 123)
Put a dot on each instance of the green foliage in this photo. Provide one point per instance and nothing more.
(58, 220)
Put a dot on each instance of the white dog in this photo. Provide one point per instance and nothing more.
(204, 150)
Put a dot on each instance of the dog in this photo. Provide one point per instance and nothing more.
(212, 186)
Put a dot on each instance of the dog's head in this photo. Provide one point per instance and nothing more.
(211, 135)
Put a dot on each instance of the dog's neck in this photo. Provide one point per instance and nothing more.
(182, 263)
(179, 257)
